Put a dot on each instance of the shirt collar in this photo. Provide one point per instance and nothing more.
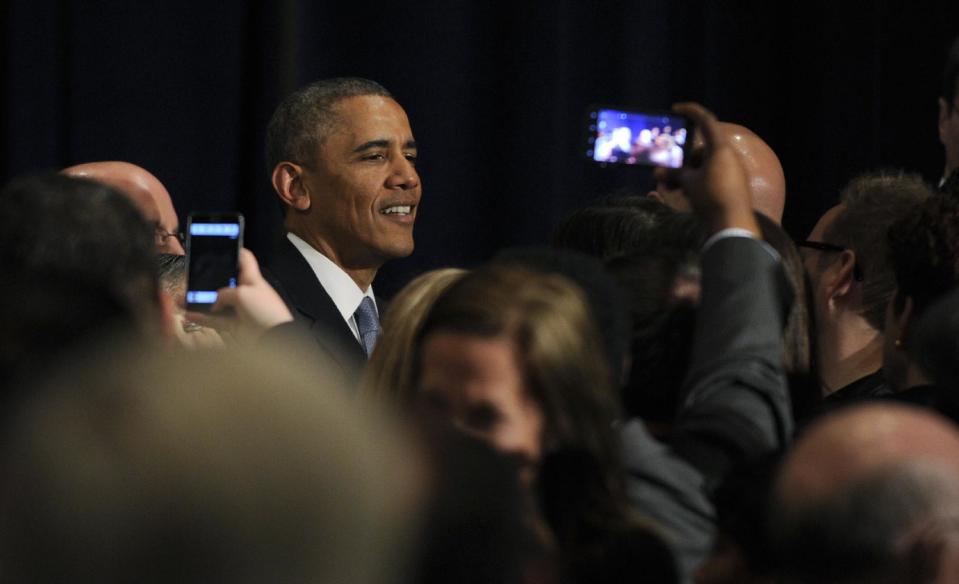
(341, 288)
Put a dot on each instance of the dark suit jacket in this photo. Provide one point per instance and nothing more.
(735, 405)
(312, 308)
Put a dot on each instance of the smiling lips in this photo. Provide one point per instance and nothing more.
(400, 213)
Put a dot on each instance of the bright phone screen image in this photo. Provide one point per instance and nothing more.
(213, 261)
(624, 137)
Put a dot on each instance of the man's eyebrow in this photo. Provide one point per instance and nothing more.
(382, 143)
(372, 144)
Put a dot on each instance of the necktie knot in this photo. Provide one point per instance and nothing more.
(368, 324)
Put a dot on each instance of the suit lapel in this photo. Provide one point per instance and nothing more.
(291, 275)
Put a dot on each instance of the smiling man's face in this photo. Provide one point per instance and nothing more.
(363, 185)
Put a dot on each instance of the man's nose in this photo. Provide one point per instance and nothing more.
(403, 175)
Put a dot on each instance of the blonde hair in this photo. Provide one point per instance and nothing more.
(389, 373)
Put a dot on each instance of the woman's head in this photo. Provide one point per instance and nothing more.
(389, 374)
(512, 355)
(923, 248)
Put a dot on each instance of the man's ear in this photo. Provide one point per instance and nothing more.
(288, 184)
(843, 275)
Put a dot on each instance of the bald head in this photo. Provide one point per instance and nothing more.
(854, 444)
(141, 187)
(870, 494)
(766, 179)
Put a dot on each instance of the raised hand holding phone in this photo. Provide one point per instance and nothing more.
(633, 137)
(253, 304)
(213, 246)
(714, 180)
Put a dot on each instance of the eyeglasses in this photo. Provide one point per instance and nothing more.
(823, 246)
(160, 236)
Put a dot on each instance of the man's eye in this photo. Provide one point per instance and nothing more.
(374, 157)
(412, 158)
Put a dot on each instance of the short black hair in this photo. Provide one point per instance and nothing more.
(611, 227)
(950, 75)
(53, 224)
(304, 119)
(79, 259)
(924, 252)
(171, 270)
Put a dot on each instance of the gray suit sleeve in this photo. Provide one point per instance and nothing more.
(736, 404)
(735, 407)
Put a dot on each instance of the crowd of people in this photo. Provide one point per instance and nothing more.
(672, 390)
(660, 146)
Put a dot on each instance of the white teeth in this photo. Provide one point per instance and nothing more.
(397, 210)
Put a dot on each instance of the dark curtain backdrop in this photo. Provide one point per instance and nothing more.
(496, 94)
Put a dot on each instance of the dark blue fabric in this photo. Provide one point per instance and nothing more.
(368, 324)
(497, 95)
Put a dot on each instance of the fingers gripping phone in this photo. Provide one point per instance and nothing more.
(633, 137)
(213, 252)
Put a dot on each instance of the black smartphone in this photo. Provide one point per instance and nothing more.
(212, 256)
(635, 137)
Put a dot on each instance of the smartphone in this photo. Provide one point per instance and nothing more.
(212, 257)
(633, 137)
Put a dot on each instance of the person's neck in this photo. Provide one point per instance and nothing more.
(914, 377)
(362, 277)
(361, 272)
(849, 350)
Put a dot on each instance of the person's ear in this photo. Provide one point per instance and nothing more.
(288, 183)
(842, 276)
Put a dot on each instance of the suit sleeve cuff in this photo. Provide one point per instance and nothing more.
(738, 232)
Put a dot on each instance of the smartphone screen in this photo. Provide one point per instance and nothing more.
(618, 136)
(213, 248)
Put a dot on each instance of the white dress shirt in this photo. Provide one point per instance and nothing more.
(338, 284)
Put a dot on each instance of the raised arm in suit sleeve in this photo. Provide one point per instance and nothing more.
(735, 405)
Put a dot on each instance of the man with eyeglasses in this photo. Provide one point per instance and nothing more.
(146, 192)
(851, 282)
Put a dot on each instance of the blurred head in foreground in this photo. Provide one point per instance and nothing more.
(78, 262)
(205, 467)
(870, 494)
